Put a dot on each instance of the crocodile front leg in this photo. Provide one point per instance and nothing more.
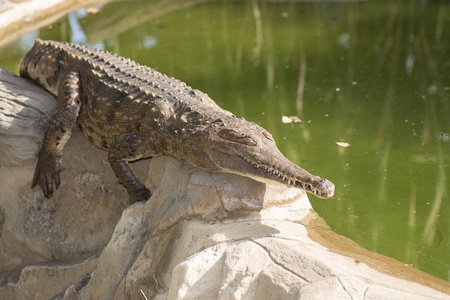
(128, 147)
(57, 134)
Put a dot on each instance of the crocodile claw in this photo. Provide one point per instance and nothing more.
(47, 175)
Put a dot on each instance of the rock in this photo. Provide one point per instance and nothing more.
(81, 216)
(253, 251)
(46, 281)
(201, 235)
(24, 107)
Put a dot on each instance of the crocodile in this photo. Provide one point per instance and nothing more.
(133, 112)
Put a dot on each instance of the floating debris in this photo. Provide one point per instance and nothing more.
(444, 136)
(343, 144)
(291, 119)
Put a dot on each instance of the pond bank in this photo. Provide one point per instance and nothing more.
(22, 16)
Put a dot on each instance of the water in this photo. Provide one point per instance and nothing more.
(374, 76)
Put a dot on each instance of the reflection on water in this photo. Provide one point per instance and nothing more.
(373, 76)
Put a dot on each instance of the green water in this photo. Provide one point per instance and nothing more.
(374, 74)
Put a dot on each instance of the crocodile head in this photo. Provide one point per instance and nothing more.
(244, 148)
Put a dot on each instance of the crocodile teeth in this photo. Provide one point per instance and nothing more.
(288, 181)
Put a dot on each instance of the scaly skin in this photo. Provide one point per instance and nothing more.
(134, 112)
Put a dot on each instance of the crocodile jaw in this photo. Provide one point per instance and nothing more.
(287, 174)
(296, 177)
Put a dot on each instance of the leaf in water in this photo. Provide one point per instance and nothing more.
(286, 120)
(343, 144)
(291, 119)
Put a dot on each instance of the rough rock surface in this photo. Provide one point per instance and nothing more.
(186, 244)
(79, 220)
(201, 235)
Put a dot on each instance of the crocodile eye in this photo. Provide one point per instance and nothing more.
(267, 135)
(237, 137)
